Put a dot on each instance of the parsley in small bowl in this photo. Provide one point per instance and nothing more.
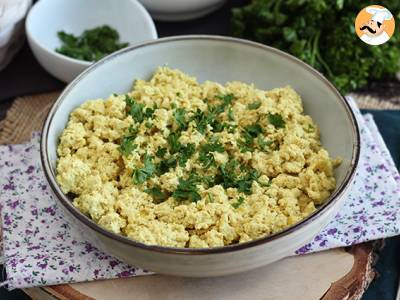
(66, 37)
(92, 45)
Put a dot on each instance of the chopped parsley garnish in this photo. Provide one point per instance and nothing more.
(226, 99)
(245, 182)
(148, 113)
(249, 134)
(141, 175)
(92, 45)
(231, 117)
(187, 189)
(185, 153)
(265, 184)
(210, 198)
(163, 166)
(254, 105)
(276, 120)
(205, 155)
(137, 111)
(201, 121)
(238, 202)
(310, 128)
(173, 142)
(148, 124)
(129, 100)
(179, 116)
(127, 146)
(161, 152)
(178, 94)
(263, 144)
(157, 194)
(228, 177)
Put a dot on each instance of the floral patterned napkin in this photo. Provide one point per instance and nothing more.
(40, 247)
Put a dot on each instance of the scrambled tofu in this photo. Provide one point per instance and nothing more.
(180, 164)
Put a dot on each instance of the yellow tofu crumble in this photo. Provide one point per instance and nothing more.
(176, 163)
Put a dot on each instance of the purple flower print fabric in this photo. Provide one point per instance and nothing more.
(41, 248)
(372, 209)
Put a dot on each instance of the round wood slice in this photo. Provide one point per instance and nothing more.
(335, 274)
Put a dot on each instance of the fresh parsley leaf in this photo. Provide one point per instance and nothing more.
(127, 146)
(148, 113)
(249, 134)
(178, 94)
(187, 189)
(129, 100)
(245, 182)
(276, 120)
(229, 177)
(141, 175)
(136, 111)
(161, 152)
(163, 166)
(254, 130)
(231, 117)
(254, 105)
(201, 121)
(185, 153)
(231, 128)
(173, 142)
(264, 145)
(205, 155)
(92, 45)
(226, 99)
(238, 202)
(310, 128)
(268, 184)
(179, 116)
(148, 124)
(210, 198)
(157, 194)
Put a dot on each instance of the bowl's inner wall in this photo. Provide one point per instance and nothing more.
(221, 61)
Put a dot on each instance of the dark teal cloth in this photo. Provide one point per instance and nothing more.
(388, 265)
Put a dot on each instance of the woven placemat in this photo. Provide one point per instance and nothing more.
(28, 113)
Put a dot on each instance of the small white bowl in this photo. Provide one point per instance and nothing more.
(47, 17)
(181, 10)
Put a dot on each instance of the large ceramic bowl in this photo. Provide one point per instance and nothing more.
(47, 17)
(219, 59)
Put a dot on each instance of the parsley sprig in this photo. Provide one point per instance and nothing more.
(157, 194)
(276, 120)
(238, 202)
(187, 189)
(141, 175)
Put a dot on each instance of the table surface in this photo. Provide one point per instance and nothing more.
(24, 76)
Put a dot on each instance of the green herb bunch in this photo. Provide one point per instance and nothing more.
(321, 33)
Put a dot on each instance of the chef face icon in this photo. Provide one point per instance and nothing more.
(375, 25)
(372, 28)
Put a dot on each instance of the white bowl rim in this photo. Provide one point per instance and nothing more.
(30, 35)
(66, 202)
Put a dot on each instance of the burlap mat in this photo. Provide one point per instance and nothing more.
(28, 113)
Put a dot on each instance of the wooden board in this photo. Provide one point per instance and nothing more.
(334, 274)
